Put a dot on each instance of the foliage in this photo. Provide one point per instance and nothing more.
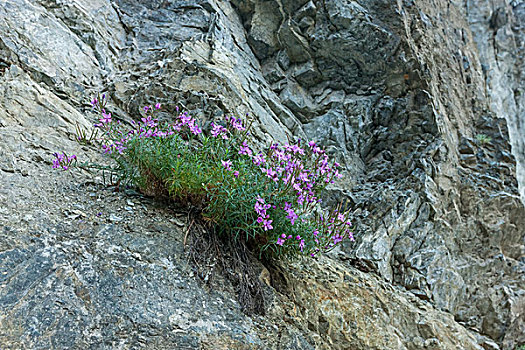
(269, 198)
(483, 139)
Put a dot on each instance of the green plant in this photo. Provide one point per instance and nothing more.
(269, 198)
(483, 139)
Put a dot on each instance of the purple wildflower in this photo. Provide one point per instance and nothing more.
(291, 215)
(337, 238)
(303, 177)
(106, 118)
(195, 129)
(227, 164)
(237, 124)
(244, 149)
(152, 122)
(258, 159)
(267, 225)
(269, 172)
(297, 149)
(219, 130)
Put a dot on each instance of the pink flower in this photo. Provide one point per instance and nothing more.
(237, 124)
(267, 225)
(260, 207)
(106, 118)
(195, 129)
(244, 149)
(280, 241)
(219, 130)
(270, 172)
(297, 149)
(337, 238)
(303, 177)
(149, 121)
(236, 173)
(291, 215)
(227, 164)
(258, 159)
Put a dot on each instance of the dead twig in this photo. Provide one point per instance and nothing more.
(186, 235)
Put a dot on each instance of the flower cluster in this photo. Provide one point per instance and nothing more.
(260, 208)
(296, 176)
(219, 130)
(63, 161)
(270, 194)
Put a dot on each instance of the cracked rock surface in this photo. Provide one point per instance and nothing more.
(399, 92)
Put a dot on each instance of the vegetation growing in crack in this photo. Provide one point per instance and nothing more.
(483, 139)
(268, 198)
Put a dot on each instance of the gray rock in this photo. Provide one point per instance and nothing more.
(397, 91)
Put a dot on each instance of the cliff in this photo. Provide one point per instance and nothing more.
(422, 101)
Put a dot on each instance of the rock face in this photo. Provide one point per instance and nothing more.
(498, 28)
(400, 92)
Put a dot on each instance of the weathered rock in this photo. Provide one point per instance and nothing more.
(499, 32)
(395, 90)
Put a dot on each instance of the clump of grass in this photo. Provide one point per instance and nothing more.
(483, 139)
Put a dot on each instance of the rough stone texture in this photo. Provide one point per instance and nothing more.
(498, 28)
(397, 91)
